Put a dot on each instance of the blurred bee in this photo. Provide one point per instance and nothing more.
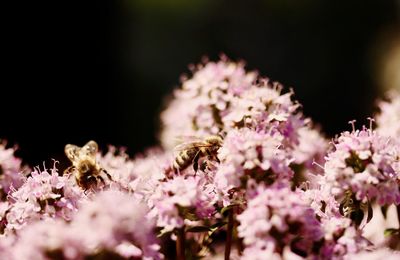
(191, 152)
(354, 209)
(84, 166)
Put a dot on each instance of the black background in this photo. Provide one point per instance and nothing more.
(80, 70)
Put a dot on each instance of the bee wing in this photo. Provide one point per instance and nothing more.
(186, 146)
(72, 151)
(187, 139)
(90, 149)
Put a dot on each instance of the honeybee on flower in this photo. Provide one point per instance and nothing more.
(85, 168)
(192, 151)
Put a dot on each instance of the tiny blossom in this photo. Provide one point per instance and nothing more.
(322, 202)
(388, 121)
(195, 109)
(44, 194)
(365, 163)
(247, 154)
(378, 254)
(114, 224)
(340, 237)
(276, 218)
(117, 222)
(11, 171)
(345, 240)
(180, 198)
(118, 164)
(148, 171)
(310, 149)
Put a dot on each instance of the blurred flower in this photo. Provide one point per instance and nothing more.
(113, 225)
(178, 199)
(250, 155)
(149, 172)
(378, 254)
(11, 171)
(44, 194)
(388, 120)
(278, 218)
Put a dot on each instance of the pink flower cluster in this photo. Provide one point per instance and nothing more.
(112, 225)
(276, 219)
(272, 188)
(389, 116)
(11, 170)
(222, 96)
(45, 194)
(365, 163)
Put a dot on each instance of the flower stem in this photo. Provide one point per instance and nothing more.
(229, 232)
(180, 244)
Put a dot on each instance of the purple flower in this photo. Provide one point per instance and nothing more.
(11, 171)
(388, 120)
(182, 198)
(250, 155)
(366, 164)
(382, 253)
(44, 194)
(114, 224)
(278, 218)
(222, 97)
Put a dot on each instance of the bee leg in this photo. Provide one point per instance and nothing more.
(196, 162)
(101, 180)
(203, 166)
(216, 159)
(69, 170)
(108, 175)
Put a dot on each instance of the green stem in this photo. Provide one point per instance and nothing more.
(180, 244)
(229, 232)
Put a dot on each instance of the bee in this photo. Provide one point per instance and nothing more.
(86, 170)
(354, 209)
(192, 152)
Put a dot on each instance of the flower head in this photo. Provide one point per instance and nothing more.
(44, 194)
(388, 120)
(11, 171)
(365, 164)
(112, 225)
(277, 218)
(182, 198)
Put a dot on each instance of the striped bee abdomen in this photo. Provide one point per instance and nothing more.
(185, 158)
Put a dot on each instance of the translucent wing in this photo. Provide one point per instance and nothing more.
(186, 146)
(186, 141)
(90, 149)
(72, 152)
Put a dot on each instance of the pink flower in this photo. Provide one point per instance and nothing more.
(44, 194)
(222, 97)
(11, 171)
(114, 224)
(180, 198)
(388, 120)
(250, 155)
(366, 164)
(277, 218)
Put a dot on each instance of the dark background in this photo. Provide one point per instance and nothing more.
(80, 70)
